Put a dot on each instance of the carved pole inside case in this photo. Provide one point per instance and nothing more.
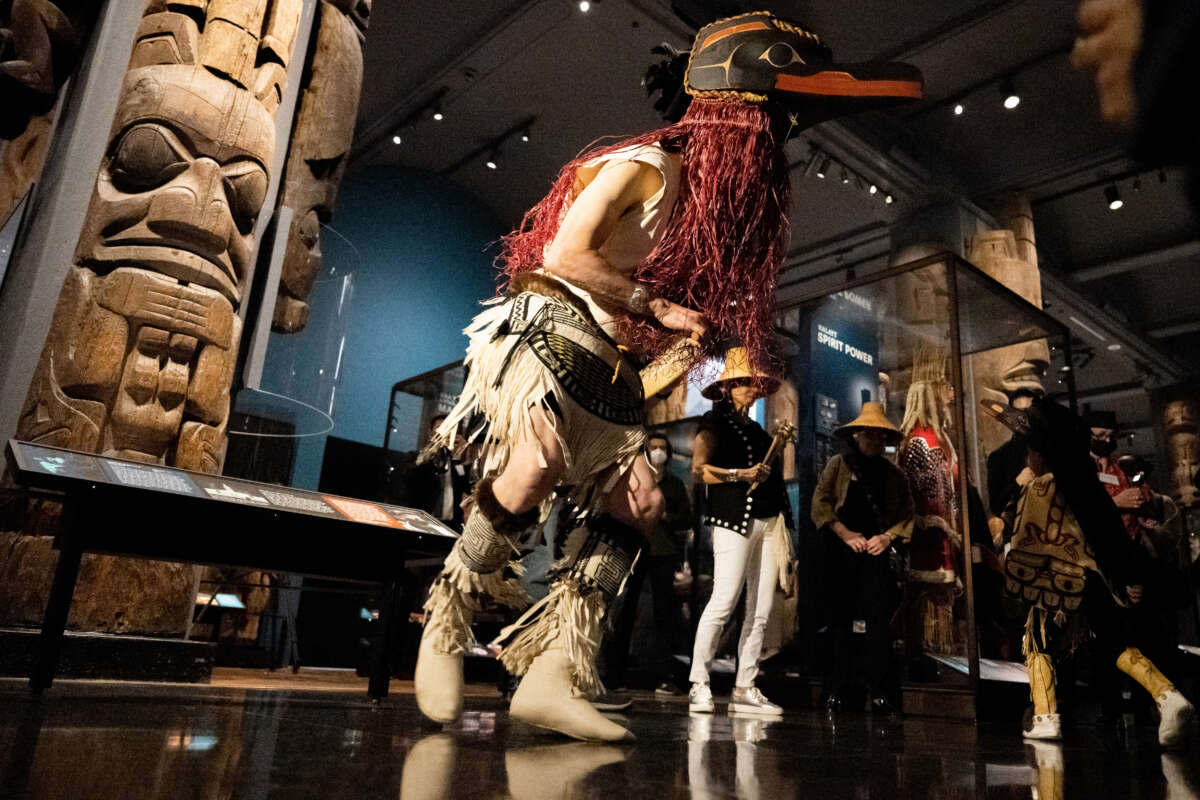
(140, 356)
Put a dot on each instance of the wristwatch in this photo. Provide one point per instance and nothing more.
(639, 301)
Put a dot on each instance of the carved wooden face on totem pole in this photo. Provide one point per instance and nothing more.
(1000, 372)
(140, 357)
(320, 147)
(1182, 429)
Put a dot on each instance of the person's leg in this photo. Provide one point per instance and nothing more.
(762, 576)
(1045, 723)
(476, 567)
(841, 580)
(661, 571)
(614, 652)
(875, 611)
(1112, 635)
(556, 652)
(730, 551)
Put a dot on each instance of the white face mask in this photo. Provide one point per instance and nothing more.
(658, 456)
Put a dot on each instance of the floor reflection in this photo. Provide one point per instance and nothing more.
(177, 743)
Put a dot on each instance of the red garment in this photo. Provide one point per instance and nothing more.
(930, 469)
(1110, 467)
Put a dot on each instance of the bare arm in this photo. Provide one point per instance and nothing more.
(702, 450)
(575, 252)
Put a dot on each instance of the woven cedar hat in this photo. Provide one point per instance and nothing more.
(737, 368)
(872, 417)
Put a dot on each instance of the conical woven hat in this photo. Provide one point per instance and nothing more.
(872, 416)
(737, 367)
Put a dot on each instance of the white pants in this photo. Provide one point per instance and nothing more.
(737, 560)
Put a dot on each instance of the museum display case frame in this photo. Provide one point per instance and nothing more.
(981, 317)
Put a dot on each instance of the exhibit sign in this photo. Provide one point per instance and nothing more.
(69, 464)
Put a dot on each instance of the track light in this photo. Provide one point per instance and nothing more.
(525, 135)
(873, 189)
(822, 165)
(584, 6)
(888, 200)
(845, 175)
(1113, 197)
(958, 109)
(438, 116)
(1009, 92)
(396, 139)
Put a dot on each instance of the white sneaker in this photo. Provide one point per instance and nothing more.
(752, 701)
(1176, 716)
(1044, 726)
(700, 698)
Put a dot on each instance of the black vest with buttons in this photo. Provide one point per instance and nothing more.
(741, 443)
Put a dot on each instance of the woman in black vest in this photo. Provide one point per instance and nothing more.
(728, 458)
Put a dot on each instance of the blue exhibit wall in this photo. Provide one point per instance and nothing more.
(422, 273)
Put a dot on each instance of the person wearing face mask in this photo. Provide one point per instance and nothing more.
(660, 559)
(1128, 498)
(863, 500)
(728, 458)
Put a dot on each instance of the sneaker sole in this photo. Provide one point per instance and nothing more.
(735, 708)
(701, 708)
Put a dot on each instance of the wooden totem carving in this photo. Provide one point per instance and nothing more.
(320, 145)
(40, 44)
(1181, 427)
(140, 357)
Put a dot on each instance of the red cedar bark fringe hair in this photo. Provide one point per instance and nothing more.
(726, 237)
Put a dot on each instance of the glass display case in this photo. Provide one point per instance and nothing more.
(928, 340)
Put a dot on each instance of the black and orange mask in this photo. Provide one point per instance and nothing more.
(759, 57)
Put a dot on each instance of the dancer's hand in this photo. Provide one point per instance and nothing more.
(879, 544)
(677, 318)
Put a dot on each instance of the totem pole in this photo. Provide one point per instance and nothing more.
(40, 44)
(1181, 428)
(317, 154)
(140, 356)
(320, 146)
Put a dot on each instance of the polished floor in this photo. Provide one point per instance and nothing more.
(313, 738)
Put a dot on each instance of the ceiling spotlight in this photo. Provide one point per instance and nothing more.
(396, 139)
(845, 175)
(493, 160)
(1114, 347)
(958, 109)
(525, 135)
(888, 200)
(584, 6)
(873, 189)
(437, 113)
(1113, 197)
(1009, 92)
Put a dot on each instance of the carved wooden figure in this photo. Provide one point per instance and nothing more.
(139, 360)
(1181, 426)
(320, 145)
(40, 44)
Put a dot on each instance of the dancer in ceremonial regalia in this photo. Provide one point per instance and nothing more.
(1074, 568)
(656, 248)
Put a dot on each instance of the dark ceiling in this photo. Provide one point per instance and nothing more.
(495, 64)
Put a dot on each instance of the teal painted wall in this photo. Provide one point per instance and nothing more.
(425, 263)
